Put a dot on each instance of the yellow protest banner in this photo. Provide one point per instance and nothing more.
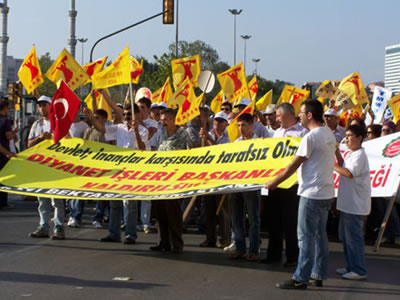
(80, 169)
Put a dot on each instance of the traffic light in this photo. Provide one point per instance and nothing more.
(12, 91)
(19, 89)
(168, 17)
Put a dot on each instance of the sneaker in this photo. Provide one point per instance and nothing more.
(252, 257)
(231, 248)
(73, 223)
(354, 276)
(39, 233)
(341, 271)
(58, 235)
(146, 229)
(97, 225)
(108, 239)
(222, 245)
(161, 248)
(292, 285)
(315, 282)
(237, 255)
(129, 241)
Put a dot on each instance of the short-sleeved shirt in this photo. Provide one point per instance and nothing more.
(315, 174)
(150, 123)
(354, 194)
(78, 129)
(295, 131)
(5, 126)
(126, 137)
(224, 139)
(39, 127)
(260, 130)
(339, 133)
(241, 138)
(178, 141)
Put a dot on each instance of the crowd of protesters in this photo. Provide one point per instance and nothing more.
(295, 217)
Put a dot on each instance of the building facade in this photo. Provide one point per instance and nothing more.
(392, 68)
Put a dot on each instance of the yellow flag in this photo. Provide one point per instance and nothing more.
(189, 109)
(264, 101)
(216, 103)
(253, 87)
(136, 69)
(119, 72)
(101, 103)
(394, 104)
(29, 73)
(94, 67)
(65, 67)
(286, 94)
(181, 93)
(233, 129)
(297, 98)
(164, 93)
(233, 82)
(187, 67)
(353, 87)
(352, 113)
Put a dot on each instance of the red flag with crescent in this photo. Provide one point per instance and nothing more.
(63, 108)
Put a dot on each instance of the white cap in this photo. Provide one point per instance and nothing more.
(154, 105)
(270, 109)
(44, 99)
(330, 112)
(163, 104)
(244, 102)
(221, 115)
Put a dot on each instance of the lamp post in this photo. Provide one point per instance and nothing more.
(256, 60)
(234, 12)
(83, 41)
(245, 37)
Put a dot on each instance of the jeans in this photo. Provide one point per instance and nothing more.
(145, 211)
(45, 210)
(77, 207)
(130, 215)
(252, 201)
(313, 239)
(351, 234)
(102, 209)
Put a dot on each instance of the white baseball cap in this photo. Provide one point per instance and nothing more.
(44, 99)
(331, 112)
(221, 115)
(243, 102)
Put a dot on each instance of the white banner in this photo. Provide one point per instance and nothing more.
(381, 96)
(384, 164)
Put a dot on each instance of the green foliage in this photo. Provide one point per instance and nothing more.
(48, 88)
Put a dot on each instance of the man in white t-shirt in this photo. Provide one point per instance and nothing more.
(315, 161)
(41, 131)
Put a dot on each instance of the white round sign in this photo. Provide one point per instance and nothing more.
(206, 81)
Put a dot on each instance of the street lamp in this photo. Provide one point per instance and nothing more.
(82, 41)
(256, 60)
(234, 12)
(245, 37)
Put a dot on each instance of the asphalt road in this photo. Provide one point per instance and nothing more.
(80, 267)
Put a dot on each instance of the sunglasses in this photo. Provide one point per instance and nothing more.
(369, 132)
(386, 130)
(127, 114)
(225, 109)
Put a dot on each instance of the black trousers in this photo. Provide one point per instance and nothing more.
(3, 195)
(282, 209)
(169, 217)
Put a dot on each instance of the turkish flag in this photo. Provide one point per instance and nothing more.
(63, 108)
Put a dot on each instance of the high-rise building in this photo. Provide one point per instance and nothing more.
(392, 68)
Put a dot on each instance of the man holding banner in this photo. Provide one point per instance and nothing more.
(40, 131)
(315, 158)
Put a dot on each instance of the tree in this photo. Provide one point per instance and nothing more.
(48, 88)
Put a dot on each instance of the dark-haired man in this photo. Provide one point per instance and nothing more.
(315, 160)
(249, 200)
(169, 212)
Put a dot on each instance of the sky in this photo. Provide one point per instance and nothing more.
(296, 41)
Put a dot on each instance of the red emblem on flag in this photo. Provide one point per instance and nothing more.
(63, 108)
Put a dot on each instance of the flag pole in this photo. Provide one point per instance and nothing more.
(131, 96)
